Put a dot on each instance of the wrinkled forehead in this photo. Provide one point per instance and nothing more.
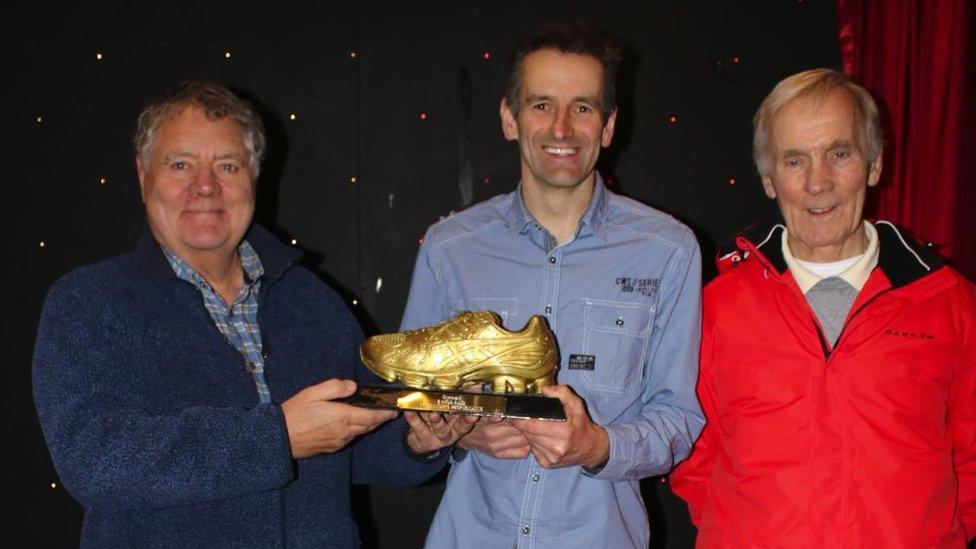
(815, 119)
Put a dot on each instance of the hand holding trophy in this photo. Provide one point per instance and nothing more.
(473, 348)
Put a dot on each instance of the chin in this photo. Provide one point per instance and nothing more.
(206, 240)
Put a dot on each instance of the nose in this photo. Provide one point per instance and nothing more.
(204, 182)
(819, 178)
(562, 127)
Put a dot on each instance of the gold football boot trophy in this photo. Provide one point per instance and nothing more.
(471, 349)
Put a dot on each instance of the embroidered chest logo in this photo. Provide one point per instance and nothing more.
(908, 335)
(643, 286)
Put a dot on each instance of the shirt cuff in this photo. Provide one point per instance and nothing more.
(614, 466)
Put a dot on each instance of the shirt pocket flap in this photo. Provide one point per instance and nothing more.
(618, 317)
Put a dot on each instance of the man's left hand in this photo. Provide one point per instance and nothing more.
(576, 441)
(431, 431)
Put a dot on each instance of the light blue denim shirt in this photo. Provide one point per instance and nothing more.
(623, 298)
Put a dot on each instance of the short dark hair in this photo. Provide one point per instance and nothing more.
(216, 101)
(568, 37)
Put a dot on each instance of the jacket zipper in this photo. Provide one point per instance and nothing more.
(823, 340)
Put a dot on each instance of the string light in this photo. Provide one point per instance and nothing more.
(352, 55)
(42, 244)
(98, 55)
(40, 119)
(355, 302)
(487, 180)
(352, 179)
(292, 116)
(736, 60)
(226, 55)
(420, 240)
(294, 242)
(731, 181)
(423, 116)
(54, 485)
(486, 56)
(102, 181)
(379, 284)
(673, 119)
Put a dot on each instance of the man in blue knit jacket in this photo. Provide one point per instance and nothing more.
(187, 390)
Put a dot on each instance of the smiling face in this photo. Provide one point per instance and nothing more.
(559, 126)
(819, 177)
(198, 188)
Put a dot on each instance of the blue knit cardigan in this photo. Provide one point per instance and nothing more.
(153, 422)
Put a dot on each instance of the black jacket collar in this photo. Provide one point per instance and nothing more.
(902, 258)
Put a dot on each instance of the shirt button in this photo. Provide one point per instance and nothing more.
(620, 322)
(526, 530)
(548, 309)
(535, 477)
(552, 259)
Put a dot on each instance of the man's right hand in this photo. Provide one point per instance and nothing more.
(316, 425)
(497, 438)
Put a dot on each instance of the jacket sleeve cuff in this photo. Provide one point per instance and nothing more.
(458, 454)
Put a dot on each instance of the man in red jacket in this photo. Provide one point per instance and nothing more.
(838, 359)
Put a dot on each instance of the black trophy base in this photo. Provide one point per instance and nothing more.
(458, 402)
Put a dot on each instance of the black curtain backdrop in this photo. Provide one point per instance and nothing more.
(382, 117)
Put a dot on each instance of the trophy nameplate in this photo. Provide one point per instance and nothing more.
(520, 406)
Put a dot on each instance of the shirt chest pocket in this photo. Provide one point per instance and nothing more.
(616, 335)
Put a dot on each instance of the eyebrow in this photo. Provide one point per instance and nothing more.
(588, 99)
(836, 143)
(187, 154)
(178, 154)
(230, 155)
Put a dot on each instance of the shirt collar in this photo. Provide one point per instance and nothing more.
(855, 275)
(250, 262)
(519, 218)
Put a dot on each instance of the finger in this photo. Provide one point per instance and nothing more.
(432, 418)
(461, 419)
(528, 425)
(365, 417)
(332, 389)
(516, 452)
(433, 423)
(540, 457)
(414, 421)
(562, 392)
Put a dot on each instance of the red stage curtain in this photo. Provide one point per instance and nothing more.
(915, 58)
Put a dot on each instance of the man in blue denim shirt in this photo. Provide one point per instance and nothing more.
(619, 283)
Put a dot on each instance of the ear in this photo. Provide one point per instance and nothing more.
(509, 123)
(767, 183)
(874, 174)
(607, 135)
(142, 173)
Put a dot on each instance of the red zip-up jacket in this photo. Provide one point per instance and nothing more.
(871, 443)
